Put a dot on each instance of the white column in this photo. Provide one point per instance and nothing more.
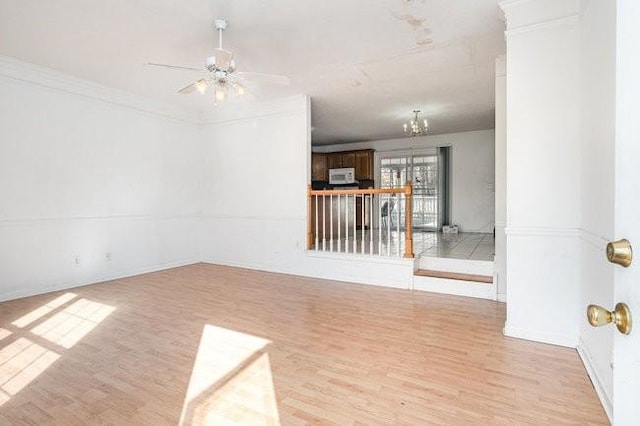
(543, 170)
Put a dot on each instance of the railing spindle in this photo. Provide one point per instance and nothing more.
(379, 224)
(346, 223)
(317, 219)
(355, 234)
(324, 223)
(388, 228)
(339, 222)
(309, 224)
(362, 223)
(398, 208)
(370, 216)
(331, 222)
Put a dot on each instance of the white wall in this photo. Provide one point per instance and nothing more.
(254, 201)
(543, 170)
(91, 174)
(501, 178)
(472, 172)
(598, 29)
(96, 184)
(256, 169)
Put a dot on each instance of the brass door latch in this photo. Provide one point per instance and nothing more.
(620, 252)
(621, 317)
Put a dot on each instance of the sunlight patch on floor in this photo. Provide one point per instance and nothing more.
(43, 310)
(22, 360)
(231, 381)
(67, 327)
(20, 363)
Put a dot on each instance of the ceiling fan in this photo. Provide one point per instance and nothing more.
(220, 72)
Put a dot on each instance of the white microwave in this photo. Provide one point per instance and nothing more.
(342, 176)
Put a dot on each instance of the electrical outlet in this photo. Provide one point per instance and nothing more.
(76, 261)
(107, 256)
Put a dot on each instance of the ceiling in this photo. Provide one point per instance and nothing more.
(366, 64)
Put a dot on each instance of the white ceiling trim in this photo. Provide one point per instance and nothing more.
(24, 72)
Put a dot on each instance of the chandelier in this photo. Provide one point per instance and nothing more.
(414, 127)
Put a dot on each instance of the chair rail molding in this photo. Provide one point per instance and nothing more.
(535, 231)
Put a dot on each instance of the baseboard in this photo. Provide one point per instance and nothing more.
(356, 279)
(251, 266)
(605, 399)
(541, 336)
(110, 277)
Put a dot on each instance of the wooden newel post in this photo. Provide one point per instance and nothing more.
(309, 228)
(408, 231)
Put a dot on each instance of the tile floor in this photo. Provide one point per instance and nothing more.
(464, 245)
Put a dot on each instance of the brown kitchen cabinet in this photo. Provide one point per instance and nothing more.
(334, 160)
(361, 161)
(364, 164)
(319, 169)
(349, 159)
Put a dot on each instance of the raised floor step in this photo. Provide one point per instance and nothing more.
(462, 277)
(484, 279)
(461, 266)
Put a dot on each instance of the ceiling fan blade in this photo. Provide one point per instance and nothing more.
(223, 58)
(199, 85)
(282, 80)
(174, 67)
(188, 89)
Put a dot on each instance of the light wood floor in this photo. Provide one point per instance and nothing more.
(341, 353)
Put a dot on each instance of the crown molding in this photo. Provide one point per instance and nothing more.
(35, 75)
(543, 25)
(527, 15)
(27, 73)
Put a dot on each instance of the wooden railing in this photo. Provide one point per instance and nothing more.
(361, 221)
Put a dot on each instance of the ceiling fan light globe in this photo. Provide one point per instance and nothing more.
(201, 86)
(220, 94)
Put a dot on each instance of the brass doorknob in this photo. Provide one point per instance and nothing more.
(620, 252)
(621, 317)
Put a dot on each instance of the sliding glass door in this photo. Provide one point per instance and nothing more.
(426, 170)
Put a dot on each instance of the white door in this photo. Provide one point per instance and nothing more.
(626, 354)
